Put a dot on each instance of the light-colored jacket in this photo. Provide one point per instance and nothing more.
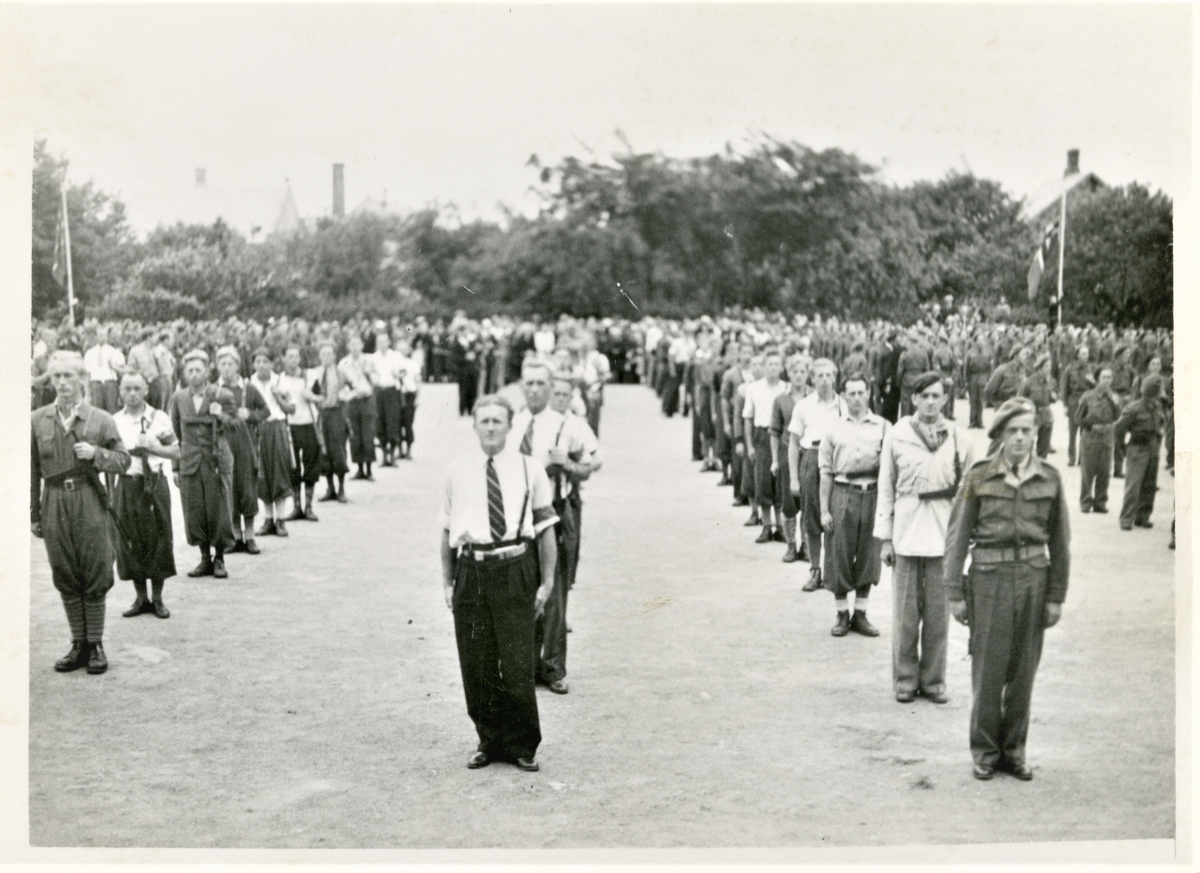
(907, 468)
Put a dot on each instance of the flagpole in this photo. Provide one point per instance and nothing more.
(1062, 238)
(67, 240)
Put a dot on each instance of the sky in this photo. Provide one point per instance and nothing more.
(447, 103)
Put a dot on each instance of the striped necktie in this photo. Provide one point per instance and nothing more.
(527, 440)
(495, 504)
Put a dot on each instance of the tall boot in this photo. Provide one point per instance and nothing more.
(139, 602)
(159, 609)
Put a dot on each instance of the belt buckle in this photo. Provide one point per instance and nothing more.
(68, 484)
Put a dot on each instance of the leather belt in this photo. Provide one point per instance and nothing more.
(74, 483)
(863, 485)
(496, 553)
(1007, 554)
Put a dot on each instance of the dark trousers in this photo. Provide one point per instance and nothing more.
(920, 624)
(104, 395)
(408, 411)
(1141, 481)
(1118, 458)
(387, 411)
(493, 626)
(1072, 429)
(809, 475)
(1043, 439)
(852, 556)
(306, 453)
(360, 415)
(975, 386)
(550, 631)
(1007, 606)
(736, 467)
(1095, 460)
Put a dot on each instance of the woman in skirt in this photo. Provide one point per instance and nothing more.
(247, 409)
(143, 499)
(274, 445)
(334, 391)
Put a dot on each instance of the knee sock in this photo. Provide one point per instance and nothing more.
(843, 605)
(206, 552)
(139, 585)
(75, 618)
(93, 611)
(157, 588)
(789, 530)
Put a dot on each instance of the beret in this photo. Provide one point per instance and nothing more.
(925, 380)
(1009, 410)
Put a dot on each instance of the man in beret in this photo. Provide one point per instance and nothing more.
(1011, 515)
(1098, 411)
(1077, 379)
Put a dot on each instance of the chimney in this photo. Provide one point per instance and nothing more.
(339, 191)
(1072, 162)
(200, 180)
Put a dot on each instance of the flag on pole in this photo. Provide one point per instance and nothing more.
(59, 268)
(1038, 266)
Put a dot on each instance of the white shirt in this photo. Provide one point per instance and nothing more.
(100, 361)
(386, 365)
(293, 387)
(152, 421)
(812, 419)
(577, 437)
(547, 425)
(464, 513)
(760, 397)
(410, 367)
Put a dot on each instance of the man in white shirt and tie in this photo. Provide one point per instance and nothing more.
(497, 504)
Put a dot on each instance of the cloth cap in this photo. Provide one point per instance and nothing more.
(1009, 410)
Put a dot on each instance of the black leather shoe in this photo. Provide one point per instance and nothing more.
(268, 529)
(935, 696)
(753, 520)
(252, 548)
(139, 606)
(218, 568)
(161, 610)
(297, 515)
(97, 663)
(814, 580)
(843, 624)
(1146, 524)
(906, 696)
(341, 496)
(1118, 475)
(725, 480)
(1085, 509)
(860, 625)
(1020, 771)
(204, 568)
(527, 764)
(778, 536)
(478, 760)
(983, 771)
(328, 496)
(309, 515)
(766, 536)
(789, 556)
(1100, 509)
(558, 686)
(741, 501)
(280, 530)
(74, 659)
(238, 546)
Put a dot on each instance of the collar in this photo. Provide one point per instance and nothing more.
(869, 418)
(75, 411)
(1033, 466)
(146, 416)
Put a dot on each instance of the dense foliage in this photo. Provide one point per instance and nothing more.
(782, 227)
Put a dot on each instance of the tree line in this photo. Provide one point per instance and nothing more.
(782, 227)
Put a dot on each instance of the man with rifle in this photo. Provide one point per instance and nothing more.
(72, 443)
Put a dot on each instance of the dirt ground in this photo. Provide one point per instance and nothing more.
(313, 699)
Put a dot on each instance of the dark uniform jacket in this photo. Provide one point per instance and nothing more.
(1040, 390)
(1142, 420)
(1097, 408)
(1004, 383)
(1077, 380)
(990, 512)
(53, 450)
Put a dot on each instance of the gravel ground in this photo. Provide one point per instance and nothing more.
(313, 699)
